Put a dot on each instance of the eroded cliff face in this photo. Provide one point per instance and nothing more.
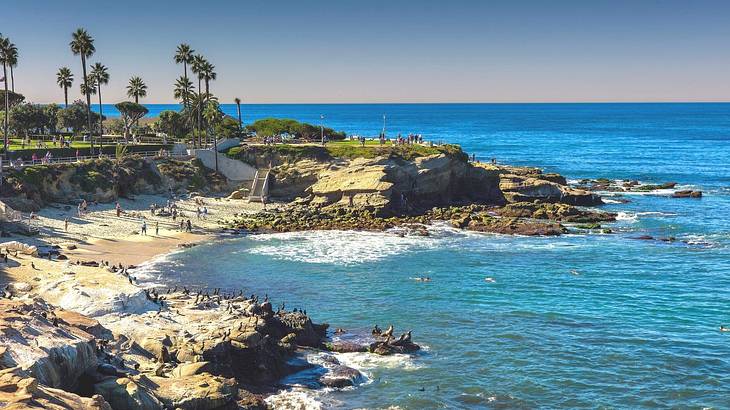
(386, 183)
(104, 180)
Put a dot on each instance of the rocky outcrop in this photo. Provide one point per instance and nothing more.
(386, 184)
(687, 194)
(104, 180)
(55, 352)
(528, 184)
(553, 212)
(20, 391)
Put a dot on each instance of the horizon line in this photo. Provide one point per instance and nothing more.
(439, 102)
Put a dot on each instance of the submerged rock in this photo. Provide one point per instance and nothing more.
(687, 194)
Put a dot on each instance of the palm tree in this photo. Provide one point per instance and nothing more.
(198, 66)
(184, 55)
(5, 47)
(12, 56)
(238, 107)
(208, 75)
(88, 89)
(183, 89)
(65, 79)
(136, 89)
(100, 75)
(82, 44)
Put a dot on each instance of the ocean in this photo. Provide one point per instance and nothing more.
(635, 326)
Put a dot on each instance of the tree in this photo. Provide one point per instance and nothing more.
(172, 123)
(12, 53)
(100, 75)
(184, 88)
(136, 89)
(25, 118)
(51, 116)
(6, 48)
(184, 55)
(277, 126)
(75, 116)
(131, 113)
(198, 67)
(88, 88)
(238, 107)
(209, 75)
(65, 79)
(82, 44)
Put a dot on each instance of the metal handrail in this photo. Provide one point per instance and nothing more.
(65, 160)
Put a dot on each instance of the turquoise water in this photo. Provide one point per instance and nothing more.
(636, 328)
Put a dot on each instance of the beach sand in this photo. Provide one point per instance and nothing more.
(100, 235)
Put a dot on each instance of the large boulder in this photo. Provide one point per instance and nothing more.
(202, 391)
(127, 394)
(55, 352)
(20, 391)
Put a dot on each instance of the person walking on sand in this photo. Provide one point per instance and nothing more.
(190, 226)
(119, 209)
(182, 225)
(65, 224)
(144, 228)
(157, 228)
(78, 210)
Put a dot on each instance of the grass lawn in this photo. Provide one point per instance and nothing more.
(345, 149)
(16, 144)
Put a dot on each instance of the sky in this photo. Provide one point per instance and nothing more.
(356, 51)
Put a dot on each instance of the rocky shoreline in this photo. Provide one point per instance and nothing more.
(85, 336)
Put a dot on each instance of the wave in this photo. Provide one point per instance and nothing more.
(337, 247)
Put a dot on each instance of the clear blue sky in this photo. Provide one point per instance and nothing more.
(388, 51)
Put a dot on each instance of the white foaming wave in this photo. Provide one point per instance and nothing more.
(627, 217)
(337, 247)
(295, 399)
(151, 271)
(611, 201)
(365, 362)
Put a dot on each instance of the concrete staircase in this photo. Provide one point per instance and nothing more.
(260, 186)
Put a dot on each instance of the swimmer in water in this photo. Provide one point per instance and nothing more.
(574, 272)
(724, 328)
(490, 280)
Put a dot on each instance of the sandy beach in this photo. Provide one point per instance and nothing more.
(99, 235)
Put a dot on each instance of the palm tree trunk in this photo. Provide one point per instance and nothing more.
(12, 79)
(240, 123)
(185, 75)
(88, 103)
(7, 109)
(65, 95)
(101, 123)
(6, 117)
(200, 113)
(207, 96)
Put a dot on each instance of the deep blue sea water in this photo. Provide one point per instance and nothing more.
(636, 328)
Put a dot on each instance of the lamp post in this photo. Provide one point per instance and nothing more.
(321, 127)
(383, 126)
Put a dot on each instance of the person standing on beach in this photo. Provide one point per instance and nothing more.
(65, 224)
(182, 225)
(190, 226)
(157, 228)
(144, 228)
(119, 209)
